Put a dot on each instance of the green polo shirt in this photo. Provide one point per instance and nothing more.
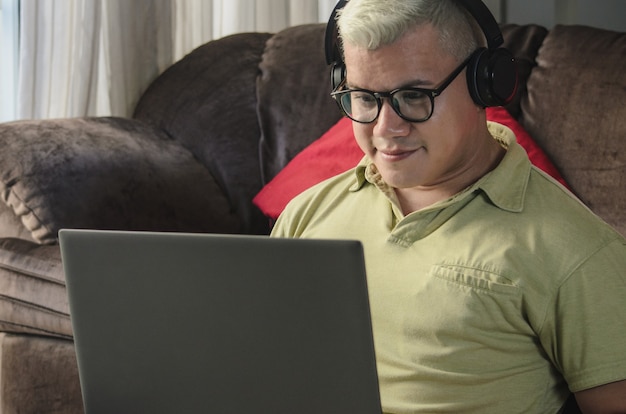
(496, 300)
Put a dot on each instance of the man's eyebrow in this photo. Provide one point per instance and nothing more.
(417, 83)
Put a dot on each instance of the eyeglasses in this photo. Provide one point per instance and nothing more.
(411, 104)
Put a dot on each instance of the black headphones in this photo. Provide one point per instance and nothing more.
(491, 71)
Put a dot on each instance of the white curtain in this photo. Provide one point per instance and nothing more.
(9, 45)
(58, 57)
(136, 45)
(193, 25)
(96, 57)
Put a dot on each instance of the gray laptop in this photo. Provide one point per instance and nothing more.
(197, 323)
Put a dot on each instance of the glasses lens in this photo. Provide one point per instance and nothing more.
(413, 105)
(362, 106)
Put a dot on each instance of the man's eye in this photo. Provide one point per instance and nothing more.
(412, 97)
(363, 98)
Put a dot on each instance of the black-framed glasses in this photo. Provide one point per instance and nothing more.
(411, 104)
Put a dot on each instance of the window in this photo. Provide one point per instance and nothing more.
(9, 56)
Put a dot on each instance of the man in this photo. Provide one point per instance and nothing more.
(492, 289)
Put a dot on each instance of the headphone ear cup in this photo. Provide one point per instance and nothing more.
(337, 74)
(492, 77)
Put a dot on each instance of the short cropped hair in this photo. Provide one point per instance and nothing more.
(374, 23)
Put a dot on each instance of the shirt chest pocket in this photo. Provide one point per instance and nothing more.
(466, 301)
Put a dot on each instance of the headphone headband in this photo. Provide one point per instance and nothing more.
(333, 54)
(486, 21)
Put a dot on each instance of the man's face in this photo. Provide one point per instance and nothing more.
(434, 153)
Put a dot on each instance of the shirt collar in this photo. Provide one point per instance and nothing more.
(506, 184)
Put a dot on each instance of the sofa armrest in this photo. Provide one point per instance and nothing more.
(104, 173)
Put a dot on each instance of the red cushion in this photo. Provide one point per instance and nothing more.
(336, 151)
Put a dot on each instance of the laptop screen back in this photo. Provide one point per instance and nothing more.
(169, 322)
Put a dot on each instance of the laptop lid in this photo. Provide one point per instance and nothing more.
(190, 323)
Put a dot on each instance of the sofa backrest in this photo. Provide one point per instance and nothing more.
(245, 105)
(575, 109)
(293, 89)
(207, 102)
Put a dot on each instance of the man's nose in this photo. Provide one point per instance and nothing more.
(389, 123)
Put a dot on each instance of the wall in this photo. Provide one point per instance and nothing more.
(607, 14)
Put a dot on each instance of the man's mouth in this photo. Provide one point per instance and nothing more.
(397, 154)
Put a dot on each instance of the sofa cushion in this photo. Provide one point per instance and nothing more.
(33, 299)
(575, 110)
(39, 376)
(294, 103)
(337, 151)
(106, 173)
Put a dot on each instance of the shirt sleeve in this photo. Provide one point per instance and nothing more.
(585, 333)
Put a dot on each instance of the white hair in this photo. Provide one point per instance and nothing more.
(374, 23)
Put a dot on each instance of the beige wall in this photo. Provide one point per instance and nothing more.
(608, 14)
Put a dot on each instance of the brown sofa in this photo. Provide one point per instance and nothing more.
(207, 135)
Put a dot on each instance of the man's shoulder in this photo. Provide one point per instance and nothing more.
(339, 184)
(550, 205)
